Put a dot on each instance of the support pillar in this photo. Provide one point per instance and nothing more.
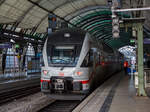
(22, 61)
(4, 54)
(137, 24)
(141, 90)
(1, 57)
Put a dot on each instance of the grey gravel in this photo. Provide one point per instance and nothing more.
(31, 103)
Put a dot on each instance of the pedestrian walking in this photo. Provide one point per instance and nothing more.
(126, 67)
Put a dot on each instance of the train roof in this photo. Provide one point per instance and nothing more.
(67, 36)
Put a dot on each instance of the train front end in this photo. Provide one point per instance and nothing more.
(60, 74)
(67, 81)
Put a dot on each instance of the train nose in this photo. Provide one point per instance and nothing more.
(65, 72)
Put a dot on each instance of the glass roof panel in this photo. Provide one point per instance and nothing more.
(128, 51)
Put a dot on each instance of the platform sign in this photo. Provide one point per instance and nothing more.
(146, 41)
(132, 41)
(17, 46)
(116, 3)
(52, 21)
(119, 3)
(5, 45)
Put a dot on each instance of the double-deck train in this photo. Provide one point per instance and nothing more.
(75, 63)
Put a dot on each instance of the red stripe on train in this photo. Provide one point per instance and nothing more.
(45, 80)
(85, 82)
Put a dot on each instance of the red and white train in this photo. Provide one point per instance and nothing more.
(76, 63)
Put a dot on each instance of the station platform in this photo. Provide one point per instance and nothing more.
(117, 94)
(17, 76)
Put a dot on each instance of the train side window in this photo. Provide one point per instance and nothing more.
(91, 58)
(99, 60)
(88, 60)
(85, 62)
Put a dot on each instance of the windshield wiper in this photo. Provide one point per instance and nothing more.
(62, 68)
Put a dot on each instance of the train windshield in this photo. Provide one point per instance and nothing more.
(63, 56)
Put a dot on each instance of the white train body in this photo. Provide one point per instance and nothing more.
(74, 63)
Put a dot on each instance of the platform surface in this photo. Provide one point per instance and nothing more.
(13, 83)
(13, 77)
(117, 94)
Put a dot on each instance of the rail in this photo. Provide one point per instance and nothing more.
(61, 106)
(18, 93)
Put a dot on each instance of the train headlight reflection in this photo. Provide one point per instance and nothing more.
(45, 72)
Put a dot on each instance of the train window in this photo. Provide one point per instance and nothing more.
(88, 60)
(99, 59)
(63, 55)
(85, 62)
(91, 55)
(110, 58)
(91, 59)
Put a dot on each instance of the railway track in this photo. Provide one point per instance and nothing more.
(17, 93)
(61, 106)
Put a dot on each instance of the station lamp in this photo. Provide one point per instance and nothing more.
(115, 20)
(115, 26)
(134, 32)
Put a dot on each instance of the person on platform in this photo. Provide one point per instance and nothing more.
(125, 67)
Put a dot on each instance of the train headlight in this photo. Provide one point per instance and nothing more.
(79, 73)
(45, 72)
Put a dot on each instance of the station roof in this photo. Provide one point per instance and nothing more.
(29, 15)
(99, 24)
(93, 16)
